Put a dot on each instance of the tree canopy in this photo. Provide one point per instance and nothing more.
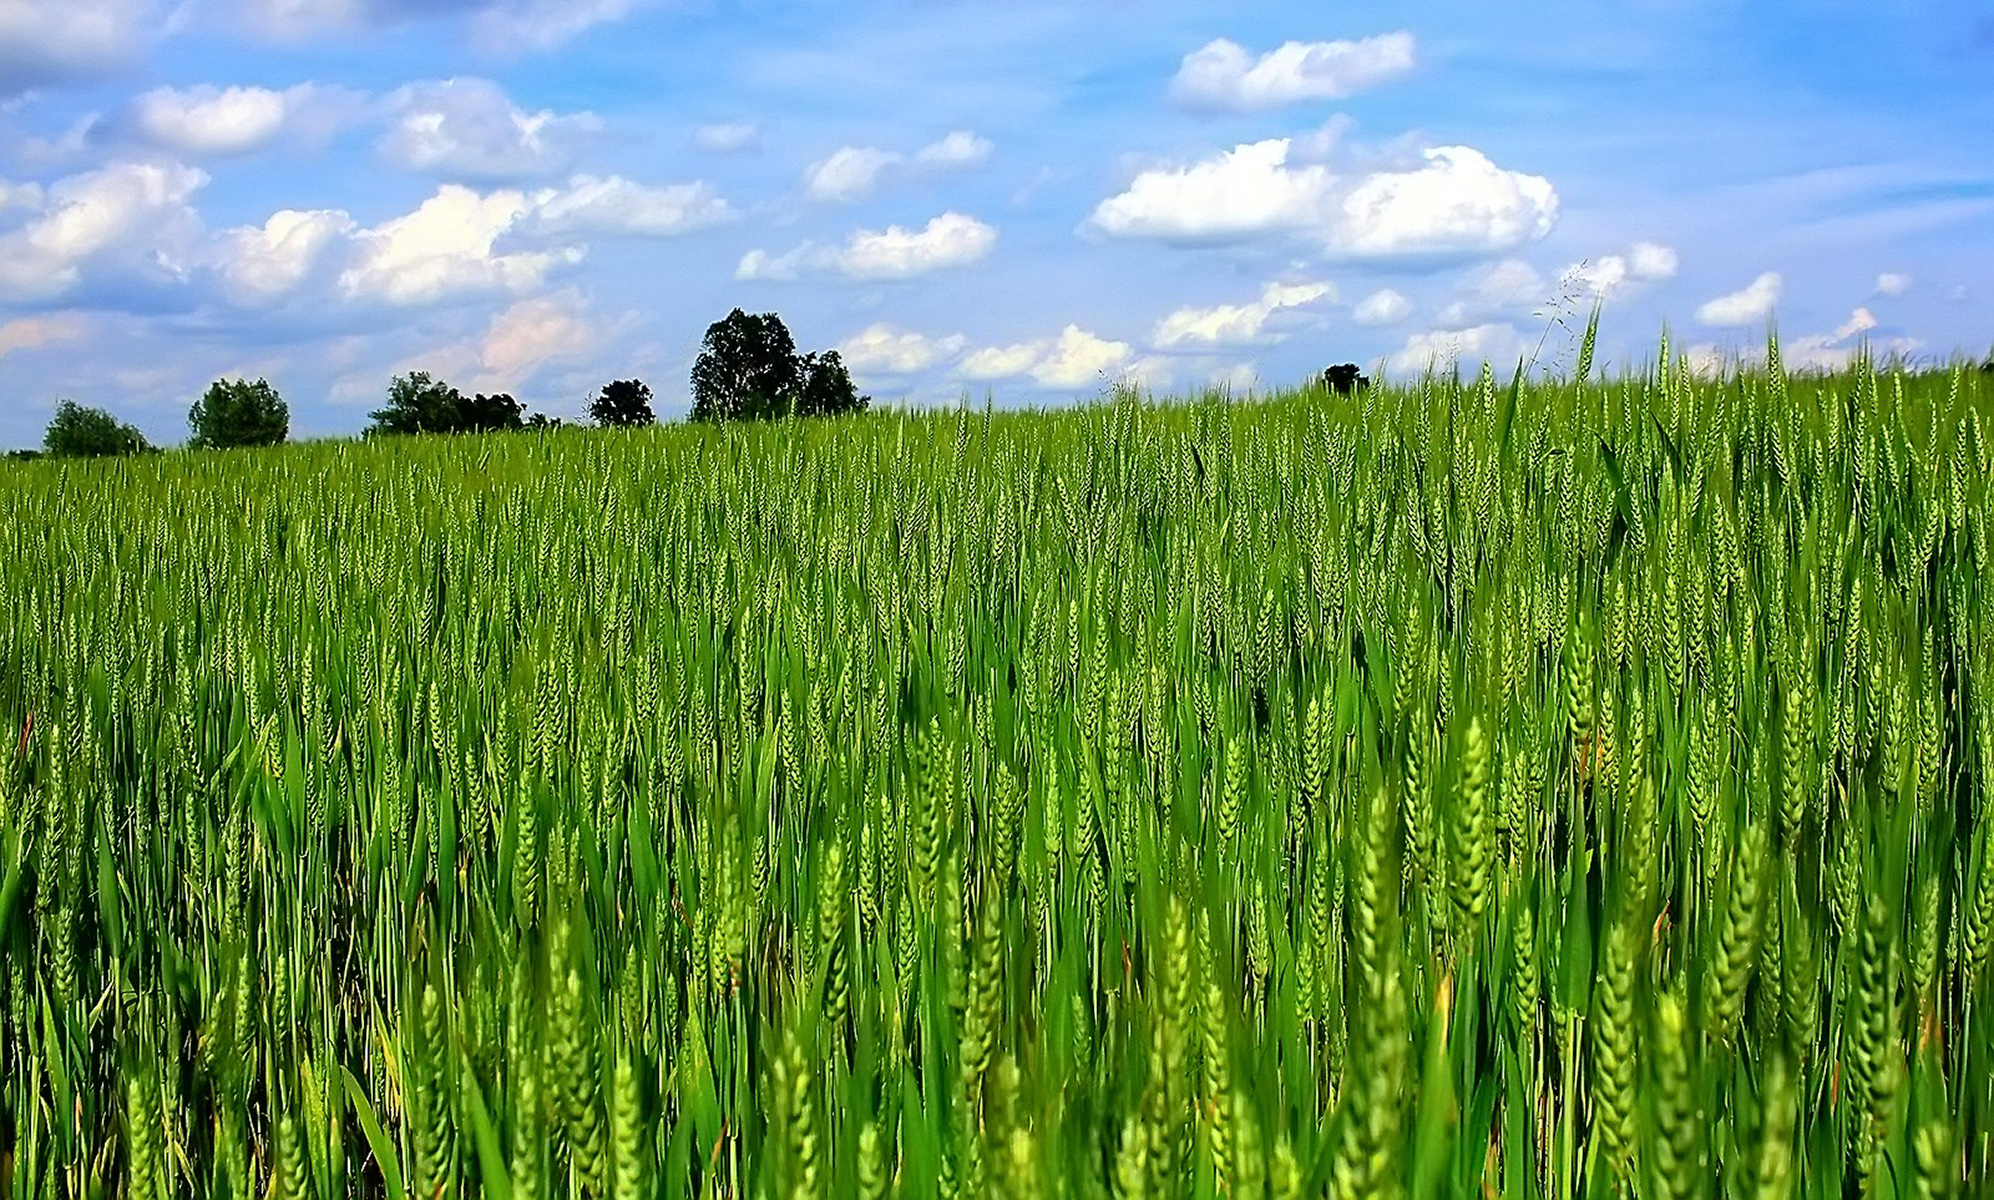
(748, 369)
(236, 412)
(1345, 378)
(418, 403)
(82, 432)
(624, 402)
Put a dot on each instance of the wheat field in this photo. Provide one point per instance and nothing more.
(1463, 788)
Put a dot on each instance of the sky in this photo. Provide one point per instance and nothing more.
(1004, 200)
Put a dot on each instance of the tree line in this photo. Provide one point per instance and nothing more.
(748, 369)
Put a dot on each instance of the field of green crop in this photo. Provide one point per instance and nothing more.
(1579, 789)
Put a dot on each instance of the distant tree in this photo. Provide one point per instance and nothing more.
(623, 403)
(23, 455)
(827, 387)
(419, 404)
(80, 432)
(236, 412)
(541, 421)
(747, 369)
(1345, 379)
(490, 414)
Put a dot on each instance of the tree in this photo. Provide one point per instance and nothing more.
(236, 412)
(80, 432)
(747, 369)
(490, 414)
(827, 387)
(541, 421)
(1345, 379)
(419, 404)
(623, 403)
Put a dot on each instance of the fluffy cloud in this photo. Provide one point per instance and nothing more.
(848, 174)
(1225, 76)
(446, 248)
(56, 41)
(541, 24)
(32, 333)
(1073, 359)
(950, 240)
(1458, 203)
(1440, 349)
(853, 172)
(534, 333)
(1235, 324)
(268, 262)
(1382, 307)
(616, 205)
(1752, 303)
(730, 138)
(1246, 191)
(211, 121)
(1860, 321)
(1644, 262)
(1892, 283)
(131, 218)
(884, 350)
(958, 149)
(470, 128)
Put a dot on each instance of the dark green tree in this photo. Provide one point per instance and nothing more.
(827, 387)
(747, 369)
(490, 414)
(541, 421)
(623, 403)
(81, 432)
(419, 404)
(236, 412)
(1345, 378)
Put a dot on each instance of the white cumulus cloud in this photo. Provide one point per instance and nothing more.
(1644, 262)
(1224, 75)
(1235, 324)
(266, 262)
(848, 174)
(125, 217)
(1457, 203)
(949, 240)
(1499, 289)
(1892, 283)
(1860, 321)
(211, 121)
(882, 349)
(446, 248)
(958, 149)
(471, 129)
(1382, 307)
(1073, 359)
(1751, 303)
(1244, 192)
(612, 205)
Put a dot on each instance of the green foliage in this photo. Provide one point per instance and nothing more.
(623, 403)
(77, 431)
(420, 404)
(236, 412)
(748, 369)
(1574, 793)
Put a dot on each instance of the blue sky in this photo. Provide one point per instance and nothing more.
(965, 197)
